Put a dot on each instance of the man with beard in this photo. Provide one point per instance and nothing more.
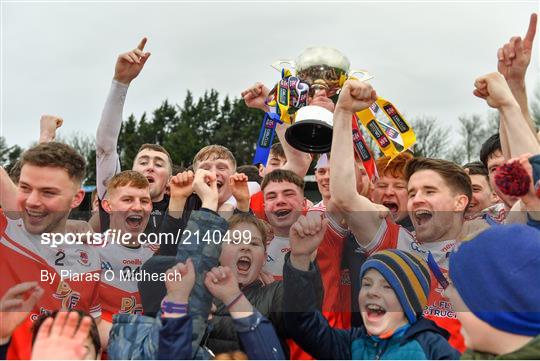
(438, 195)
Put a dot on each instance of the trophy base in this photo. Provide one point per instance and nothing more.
(310, 136)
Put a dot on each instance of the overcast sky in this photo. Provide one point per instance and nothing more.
(58, 58)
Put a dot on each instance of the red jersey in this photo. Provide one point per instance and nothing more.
(439, 308)
(256, 203)
(120, 267)
(69, 275)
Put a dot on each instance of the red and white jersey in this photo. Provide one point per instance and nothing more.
(118, 291)
(336, 281)
(69, 275)
(275, 256)
(439, 308)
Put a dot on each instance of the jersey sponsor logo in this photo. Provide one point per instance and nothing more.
(69, 298)
(136, 262)
(130, 305)
(440, 309)
(285, 250)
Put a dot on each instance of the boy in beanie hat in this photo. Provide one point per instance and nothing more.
(395, 288)
(495, 294)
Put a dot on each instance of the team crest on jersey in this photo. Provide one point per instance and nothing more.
(83, 258)
(130, 305)
(69, 298)
(345, 277)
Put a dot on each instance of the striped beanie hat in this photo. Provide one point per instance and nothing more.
(408, 276)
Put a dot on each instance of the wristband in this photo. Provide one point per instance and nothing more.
(171, 307)
(235, 300)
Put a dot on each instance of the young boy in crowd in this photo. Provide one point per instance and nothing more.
(390, 189)
(283, 203)
(49, 187)
(439, 192)
(257, 335)
(492, 294)
(245, 260)
(244, 255)
(128, 204)
(395, 288)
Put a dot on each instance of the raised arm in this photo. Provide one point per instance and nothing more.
(495, 90)
(128, 66)
(361, 215)
(8, 194)
(297, 161)
(48, 124)
(255, 331)
(513, 59)
(176, 329)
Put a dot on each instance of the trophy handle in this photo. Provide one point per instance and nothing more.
(278, 64)
(359, 74)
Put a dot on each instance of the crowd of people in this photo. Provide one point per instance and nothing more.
(429, 260)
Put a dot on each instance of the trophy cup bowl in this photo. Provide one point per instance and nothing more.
(325, 69)
(312, 130)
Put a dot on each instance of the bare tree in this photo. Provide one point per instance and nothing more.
(431, 138)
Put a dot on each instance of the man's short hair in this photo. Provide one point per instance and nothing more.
(452, 174)
(214, 152)
(282, 175)
(250, 219)
(157, 148)
(395, 167)
(251, 172)
(476, 168)
(56, 155)
(277, 150)
(127, 178)
(490, 146)
(94, 333)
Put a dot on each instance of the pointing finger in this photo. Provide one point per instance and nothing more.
(142, 43)
(531, 31)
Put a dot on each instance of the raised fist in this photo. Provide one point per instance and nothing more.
(181, 185)
(356, 96)
(222, 284)
(494, 89)
(179, 281)
(255, 96)
(47, 127)
(307, 234)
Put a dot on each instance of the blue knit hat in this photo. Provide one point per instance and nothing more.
(497, 276)
(408, 276)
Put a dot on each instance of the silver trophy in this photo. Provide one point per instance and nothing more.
(322, 68)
